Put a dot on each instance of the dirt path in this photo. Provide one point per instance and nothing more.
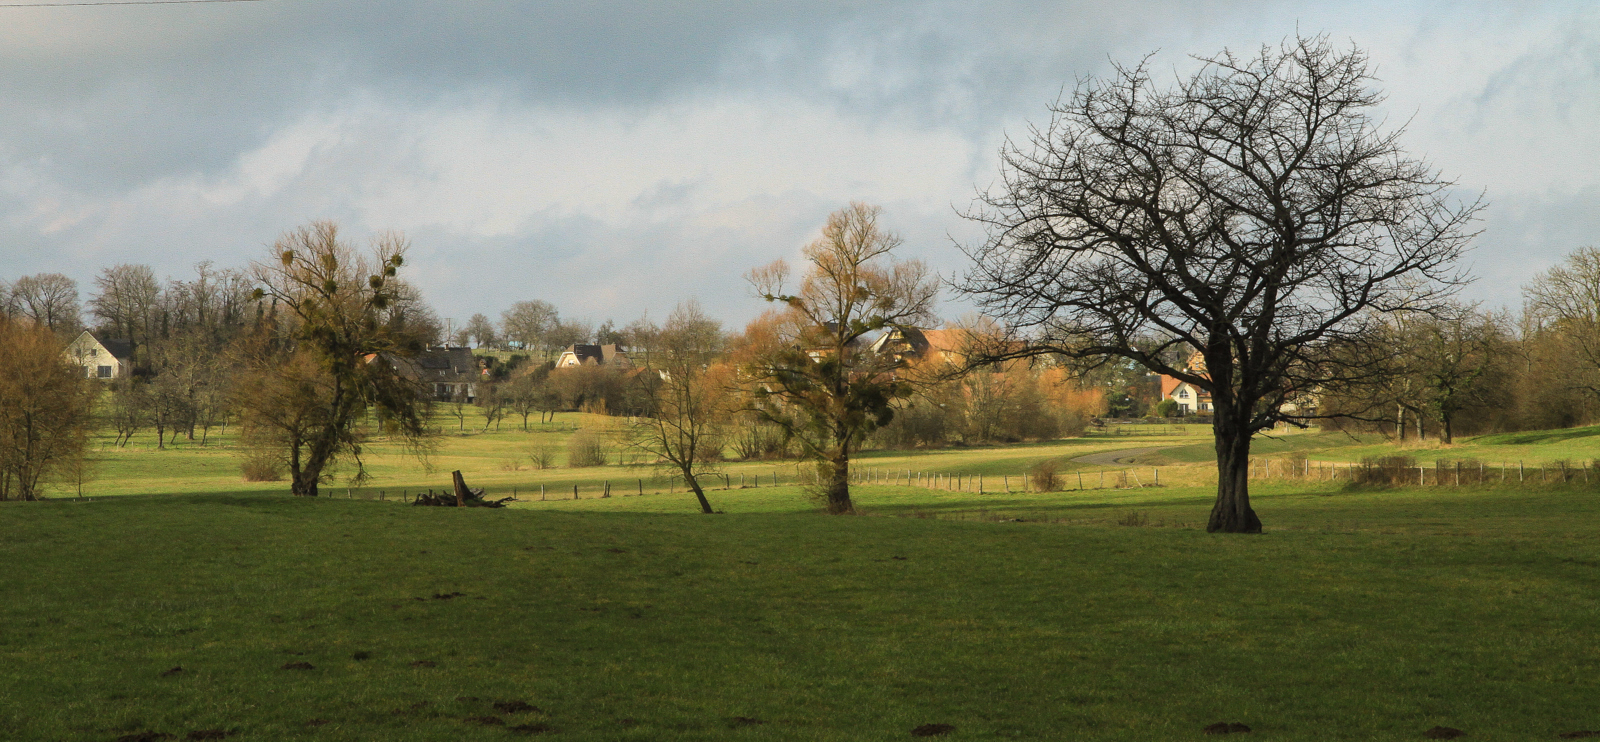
(1119, 456)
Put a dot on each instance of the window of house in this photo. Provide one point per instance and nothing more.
(104, 372)
(1183, 394)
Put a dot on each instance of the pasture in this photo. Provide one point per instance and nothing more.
(178, 600)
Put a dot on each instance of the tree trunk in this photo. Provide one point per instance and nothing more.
(699, 494)
(839, 485)
(1232, 512)
(1400, 422)
(1445, 435)
(303, 483)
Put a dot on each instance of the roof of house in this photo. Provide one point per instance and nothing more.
(601, 354)
(120, 348)
(439, 364)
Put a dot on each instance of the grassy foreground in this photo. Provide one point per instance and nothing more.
(1360, 615)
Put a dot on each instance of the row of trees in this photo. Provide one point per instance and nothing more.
(1254, 214)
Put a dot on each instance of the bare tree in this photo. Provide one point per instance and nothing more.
(44, 411)
(492, 404)
(1254, 213)
(1457, 353)
(127, 303)
(311, 379)
(480, 331)
(819, 381)
(50, 300)
(1566, 300)
(690, 399)
(529, 323)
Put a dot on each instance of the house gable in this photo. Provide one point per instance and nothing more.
(100, 358)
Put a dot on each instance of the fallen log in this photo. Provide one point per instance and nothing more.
(460, 496)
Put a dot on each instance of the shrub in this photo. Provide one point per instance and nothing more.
(1044, 477)
(1387, 471)
(586, 448)
(542, 454)
(262, 466)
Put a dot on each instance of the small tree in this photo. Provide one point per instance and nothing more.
(481, 332)
(311, 377)
(45, 410)
(1254, 214)
(690, 399)
(492, 404)
(818, 381)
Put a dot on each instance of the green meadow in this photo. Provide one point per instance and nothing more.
(176, 601)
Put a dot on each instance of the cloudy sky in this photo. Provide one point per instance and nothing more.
(617, 157)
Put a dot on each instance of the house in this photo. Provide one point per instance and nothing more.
(582, 354)
(101, 357)
(1192, 400)
(911, 345)
(445, 374)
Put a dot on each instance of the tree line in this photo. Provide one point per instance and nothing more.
(1250, 228)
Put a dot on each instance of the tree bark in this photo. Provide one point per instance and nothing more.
(304, 483)
(839, 485)
(1232, 512)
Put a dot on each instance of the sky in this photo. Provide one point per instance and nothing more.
(615, 158)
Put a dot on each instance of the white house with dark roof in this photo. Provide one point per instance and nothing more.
(101, 357)
(583, 354)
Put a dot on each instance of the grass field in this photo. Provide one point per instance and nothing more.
(1361, 614)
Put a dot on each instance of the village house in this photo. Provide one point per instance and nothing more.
(101, 357)
(1192, 400)
(582, 354)
(913, 345)
(445, 374)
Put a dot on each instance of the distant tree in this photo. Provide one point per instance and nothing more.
(608, 334)
(127, 302)
(1565, 300)
(50, 300)
(480, 332)
(409, 319)
(311, 378)
(457, 406)
(640, 337)
(567, 333)
(45, 410)
(1253, 213)
(493, 404)
(1458, 350)
(529, 324)
(690, 399)
(816, 379)
(127, 408)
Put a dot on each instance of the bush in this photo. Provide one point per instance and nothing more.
(262, 466)
(753, 439)
(542, 454)
(586, 448)
(1044, 477)
(1387, 471)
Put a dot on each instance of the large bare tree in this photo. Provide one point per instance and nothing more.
(1254, 212)
(50, 300)
(818, 380)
